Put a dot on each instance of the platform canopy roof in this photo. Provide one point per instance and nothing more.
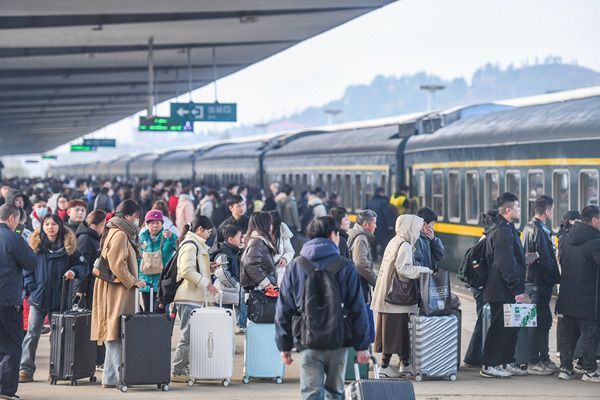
(69, 67)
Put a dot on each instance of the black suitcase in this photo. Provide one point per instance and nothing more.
(146, 349)
(72, 353)
(379, 389)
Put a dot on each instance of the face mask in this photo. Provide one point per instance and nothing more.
(41, 212)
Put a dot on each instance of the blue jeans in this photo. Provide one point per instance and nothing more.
(112, 363)
(322, 374)
(181, 358)
(243, 311)
(32, 338)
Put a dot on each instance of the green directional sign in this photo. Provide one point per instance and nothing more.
(82, 148)
(211, 112)
(164, 124)
(100, 142)
(49, 157)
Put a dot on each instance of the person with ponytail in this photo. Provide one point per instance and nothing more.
(193, 270)
(119, 247)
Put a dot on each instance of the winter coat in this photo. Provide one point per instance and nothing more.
(579, 295)
(184, 212)
(429, 252)
(17, 258)
(258, 267)
(72, 226)
(167, 224)
(284, 249)
(88, 244)
(398, 259)
(344, 250)
(111, 300)
(544, 271)
(360, 245)
(241, 223)
(104, 202)
(44, 283)
(385, 218)
(193, 266)
(322, 252)
(506, 262)
(318, 208)
(173, 200)
(231, 270)
(148, 244)
(289, 211)
(207, 207)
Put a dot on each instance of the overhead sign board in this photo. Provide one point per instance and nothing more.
(100, 142)
(211, 112)
(82, 148)
(49, 157)
(164, 124)
(32, 161)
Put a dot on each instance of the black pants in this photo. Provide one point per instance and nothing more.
(146, 299)
(587, 332)
(11, 340)
(500, 341)
(473, 355)
(538, 337)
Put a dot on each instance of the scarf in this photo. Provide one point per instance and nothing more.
(129, 229)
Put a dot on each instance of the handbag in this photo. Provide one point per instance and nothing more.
(102, 271)
(261, 308)
(152, 263)
(401, 293)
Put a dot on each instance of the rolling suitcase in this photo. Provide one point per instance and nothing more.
(146, 348)
(433, 346)
(378, 389)
(72, 353)
(262, 359)
(212, 344)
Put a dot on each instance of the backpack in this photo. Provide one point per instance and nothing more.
(307, 216)
(321, 316)
(168, 283)
(474, 269)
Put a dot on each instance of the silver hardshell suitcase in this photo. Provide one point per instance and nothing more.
(433, 346)
(211, 345)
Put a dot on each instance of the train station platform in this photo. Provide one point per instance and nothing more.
(469, 384)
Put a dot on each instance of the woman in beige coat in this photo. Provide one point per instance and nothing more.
(391, 328)
(193, 267)
(112, 299)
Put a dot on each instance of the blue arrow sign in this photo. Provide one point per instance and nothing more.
(100, 142)
(212, 112)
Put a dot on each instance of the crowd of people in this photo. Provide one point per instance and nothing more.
(240, 241)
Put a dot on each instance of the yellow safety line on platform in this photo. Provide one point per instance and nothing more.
(509, 163)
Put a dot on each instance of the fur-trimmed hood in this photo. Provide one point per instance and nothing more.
(70, 242)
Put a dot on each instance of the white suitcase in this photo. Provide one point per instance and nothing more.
(211, 345)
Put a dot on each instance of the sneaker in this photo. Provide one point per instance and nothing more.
(578, 368)
(45, 330)
(550, 365)
(9, 396)
(404, 369)
(515, 370)
(389, 372)
(566, 374)
(539, 369)
(24, 377)
(591, 376)
(494, 372)
(180, 378)
(100, 368)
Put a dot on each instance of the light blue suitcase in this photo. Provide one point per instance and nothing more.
(262, 359)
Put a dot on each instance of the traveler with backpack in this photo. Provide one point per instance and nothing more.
(320, 276)
(397, 267)
(193, 276)
(505, 284)
(314, 209)
(340, 215)
(288, 205)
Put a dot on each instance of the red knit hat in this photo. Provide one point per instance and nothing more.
(154, 215)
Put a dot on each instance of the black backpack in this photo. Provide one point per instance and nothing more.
(168, 283)
(322, 314)
(474, 268)
(306, 217)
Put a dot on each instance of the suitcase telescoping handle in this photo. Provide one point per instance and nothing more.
(375, 368)
(219, 295)
(137, 300)
(62, 295)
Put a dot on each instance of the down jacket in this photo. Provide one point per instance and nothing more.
(193, 266)
(258, 267)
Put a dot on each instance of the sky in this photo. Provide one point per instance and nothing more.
(449, 38)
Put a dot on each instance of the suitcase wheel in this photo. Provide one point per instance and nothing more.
(52, 381)
(226, 382)
(190, 383)
(165, 387)
(93, 379)
(245, 380)
(279, 380)
(418, 378)
(123, 388)
(73, 383)
(453, 377)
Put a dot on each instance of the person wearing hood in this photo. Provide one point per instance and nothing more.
(283, 244)
(39, 211)
(289, 208)
(55, 248)
(579, 298)
(18, 200)
(340, 215)
(391, 327)
(322, 371)
(184, 212)
(258, 266)
(505, 258)
(76, 212)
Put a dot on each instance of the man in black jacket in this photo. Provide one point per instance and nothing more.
(506, 284)
(237, 209)
(15, 257)
(386, 220)
(542, 274)
(579, 298)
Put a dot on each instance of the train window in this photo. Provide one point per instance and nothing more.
(561, 195)
(454, 196)
(588, 188)
(535, 188)
(338, 184)
(383, 183)
(367, 191)
(437, 190)
(491, 190)
(358, 204)
(472, 198)
(330, 187)
(347, 198)
(421, 188)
